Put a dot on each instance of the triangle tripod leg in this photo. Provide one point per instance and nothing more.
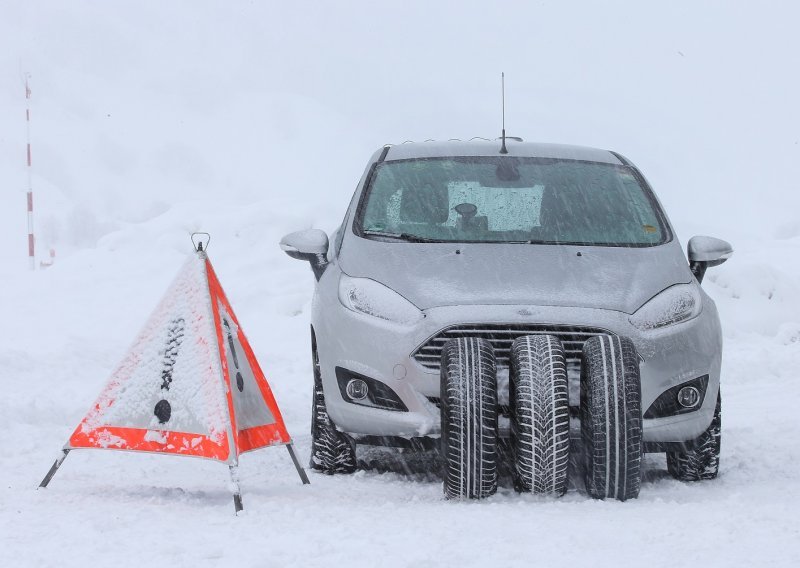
(300, 471)
(55, 467)
(237, 493)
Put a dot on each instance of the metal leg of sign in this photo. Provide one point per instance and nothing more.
(54, 469)
(237, 493)
(300, 471)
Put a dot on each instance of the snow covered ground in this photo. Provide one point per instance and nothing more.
(248, 122)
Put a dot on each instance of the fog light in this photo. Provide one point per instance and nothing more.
(688, 397)
(357, 389)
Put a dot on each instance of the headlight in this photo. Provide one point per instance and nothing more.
(374, 299)
(676, 304)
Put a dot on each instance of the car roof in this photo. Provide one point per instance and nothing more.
(437, 149)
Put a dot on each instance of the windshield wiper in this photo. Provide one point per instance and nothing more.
(401, 237)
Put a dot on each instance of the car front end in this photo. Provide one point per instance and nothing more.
(398, 351)
(447, 241)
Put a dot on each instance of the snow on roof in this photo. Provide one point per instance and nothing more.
(433, 149)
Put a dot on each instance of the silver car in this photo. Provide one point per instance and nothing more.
(477, 297)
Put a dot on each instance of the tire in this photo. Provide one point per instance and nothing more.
(469, 418)
(611, 417)
(331, 451)
(703, 461)
(539, 404)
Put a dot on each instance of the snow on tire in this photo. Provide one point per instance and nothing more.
(469, 418)
(701, 462)
(539, 403)
(611, 417)
(331, 451)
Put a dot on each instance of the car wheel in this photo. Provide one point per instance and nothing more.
(331, 451)
(611, 417)
(539, 403)
(469, 418)
(702, 462)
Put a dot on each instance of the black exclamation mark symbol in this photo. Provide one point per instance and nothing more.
(163, 410)
(239, 378)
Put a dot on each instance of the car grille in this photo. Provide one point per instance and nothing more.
(501, 336)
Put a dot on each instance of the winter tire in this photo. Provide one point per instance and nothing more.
(331, 451)
(469, 418)
(611, 417)
(539, 403)
(703, 461)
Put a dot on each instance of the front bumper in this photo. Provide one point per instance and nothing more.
(384, 351)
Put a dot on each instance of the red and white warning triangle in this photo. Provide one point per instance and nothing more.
(190, 384)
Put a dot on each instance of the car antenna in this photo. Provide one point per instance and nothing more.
(503, 149)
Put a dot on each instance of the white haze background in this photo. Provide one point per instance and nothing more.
(252, 119)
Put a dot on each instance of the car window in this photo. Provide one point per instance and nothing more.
(509, 199)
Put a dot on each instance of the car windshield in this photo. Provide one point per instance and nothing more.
(509, 199)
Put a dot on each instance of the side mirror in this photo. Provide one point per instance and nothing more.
(707, 251)
(310, 245)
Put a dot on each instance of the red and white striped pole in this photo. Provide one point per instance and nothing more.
(31, 251)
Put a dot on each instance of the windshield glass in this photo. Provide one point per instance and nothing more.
(509, 199)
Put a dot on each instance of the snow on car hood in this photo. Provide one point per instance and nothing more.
(444, 274)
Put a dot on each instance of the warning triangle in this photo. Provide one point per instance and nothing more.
(189, 385)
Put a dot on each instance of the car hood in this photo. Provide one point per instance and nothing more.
(445, 274)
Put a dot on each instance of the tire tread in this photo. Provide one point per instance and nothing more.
(539, 401)
(702, 462)
(611, 417)
(331, 451)
(469, 418)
